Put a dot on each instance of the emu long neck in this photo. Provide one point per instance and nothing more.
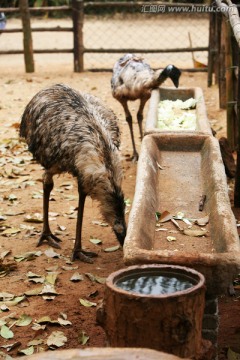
(158, 78)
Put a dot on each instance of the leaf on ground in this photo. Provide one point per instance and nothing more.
(187, 221)
(112, 248)
(51, 278)
(10, 231)
(56, 339)
(5, 356)
(77, 277)
(64, 322)
(6, 333)
(203, 221)
(35, 218)
(127, 202)
(34, 292)
(165, 216)
(179, 215)
(46, 320)
(62, 227)
(35, 277)
(48, 289)
(24, 320)
(13, 302)
(70, 197)
(83, 338)
(35, 342)
(31, 255)
(4, 307)
(68, 268)
(12, 197)
(171, 238)
(51, 253)
(38, 327)
(193, 232)
(6, 296)
(94, 278)
(37, 195)
(95, 241)
(52, 268)
(12, 346)
(87, 303)
(100, 223)
(28, 351)
(4, 254)
(3, 322)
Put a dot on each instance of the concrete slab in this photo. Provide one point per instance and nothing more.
(174, 171)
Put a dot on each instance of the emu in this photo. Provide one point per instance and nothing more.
(71, 132)
(134, 79)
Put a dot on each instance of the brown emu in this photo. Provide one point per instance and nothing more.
(71, 132)
(134, 79)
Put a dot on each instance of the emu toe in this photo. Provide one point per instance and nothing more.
(51, 239)
(84, 256)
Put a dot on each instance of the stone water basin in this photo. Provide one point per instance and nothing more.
(174, 171)
(202, 123)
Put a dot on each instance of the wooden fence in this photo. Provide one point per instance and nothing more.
(225, 63)
(77, 10)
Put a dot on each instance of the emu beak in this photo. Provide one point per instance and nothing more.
(121, 237)
(120, 231)
(175, 75)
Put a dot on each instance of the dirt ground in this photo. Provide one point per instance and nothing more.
(21, 197)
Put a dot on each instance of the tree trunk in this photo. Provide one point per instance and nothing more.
(171, 322)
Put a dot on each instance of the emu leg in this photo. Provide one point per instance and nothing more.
(140, 115)
(129, 121)
(78, 252)
(47, 235)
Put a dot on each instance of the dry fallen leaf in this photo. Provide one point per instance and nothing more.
(87, 303)
(56, 339)
(171, 238)
(165, 216)
(193, 232)
(203, 221)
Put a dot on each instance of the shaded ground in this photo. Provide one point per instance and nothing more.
(20, 195)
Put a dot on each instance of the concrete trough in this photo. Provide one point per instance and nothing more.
(202, 123)
(174, 171)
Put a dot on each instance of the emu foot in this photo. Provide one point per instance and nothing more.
(84, 256)
(51, 239)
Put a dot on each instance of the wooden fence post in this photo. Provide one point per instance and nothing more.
(222, 65)
(237, 176)
(78, 19)
(27, 36)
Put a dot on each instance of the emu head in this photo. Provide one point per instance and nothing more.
(173, 73)
(113, 211)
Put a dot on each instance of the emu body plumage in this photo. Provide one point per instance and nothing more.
(71, 132)
(134, 79)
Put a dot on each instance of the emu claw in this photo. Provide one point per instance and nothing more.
(84, 256)
(51, 239)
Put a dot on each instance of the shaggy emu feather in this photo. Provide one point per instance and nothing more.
(71, 132)
(134, 79)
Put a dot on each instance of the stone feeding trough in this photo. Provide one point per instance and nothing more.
(176, 171)
(182, 94)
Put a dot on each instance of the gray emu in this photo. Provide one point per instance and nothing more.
(134, 79)
(71, 132)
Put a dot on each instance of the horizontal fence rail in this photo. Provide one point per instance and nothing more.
(81, 46)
